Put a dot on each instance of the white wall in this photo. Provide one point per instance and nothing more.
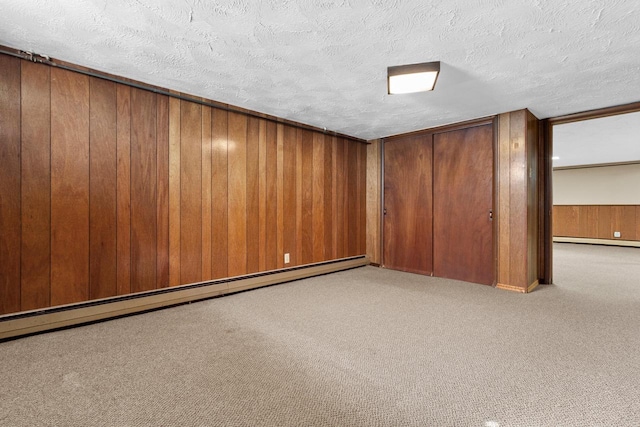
(606, 185)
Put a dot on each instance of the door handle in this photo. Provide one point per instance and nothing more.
(384, 211)
(491, 215)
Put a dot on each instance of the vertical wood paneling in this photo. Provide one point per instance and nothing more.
(306, 174)
(353, 199)
(327, 198)
(174, 191)
(362, 200)
(318, 206)
(123, 191)
(36, 185)
(190, 192)
(299, 196)
(219, 195)
(596, 221)
(504, 199)
(143, 190)
(373, 201)
(69, 187)
(102, 194)
(253, 195)
(518, 194)
(289, 190)
(237, 194)
(340, 220)
(9, 183)
(280, 195)
(262, 196)
(347, 191)
(206, 192)
(272, 198)
(162, 198)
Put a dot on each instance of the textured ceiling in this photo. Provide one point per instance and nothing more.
(605, 140)
(324, 62)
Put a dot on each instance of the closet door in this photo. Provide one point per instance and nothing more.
(408, 204)
(463, 200)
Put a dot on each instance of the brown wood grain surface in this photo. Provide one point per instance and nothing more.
(102, 186)
(327, 201)
(207, 141)
(190, 192)
(307, 198)
(596, 221)
(174, 192)
(237, 203)
(36, 186)
(272, 198)
(9, 183)
(162, 196)
(143, 190)
(262, 196)
(69, 187)
(253, 195)
(408, 203)
(219, 195)
(362, 200)
(318, 204)
(462, 200)
(123, 191)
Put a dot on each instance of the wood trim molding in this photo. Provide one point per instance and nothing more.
(29, 322)
(595, 114)
(599, 165)
(446, 128)
(606, 242)
(511, 288)
(533, 286)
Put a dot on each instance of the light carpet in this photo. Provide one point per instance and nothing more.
(364, 347)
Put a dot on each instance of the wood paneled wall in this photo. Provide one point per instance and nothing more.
(106, 189)
(374, 200)
(597, 221)
(517, 204)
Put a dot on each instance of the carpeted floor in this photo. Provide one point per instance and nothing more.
(363, 347)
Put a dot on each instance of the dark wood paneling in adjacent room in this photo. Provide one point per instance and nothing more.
(597, 221)
(108, 190)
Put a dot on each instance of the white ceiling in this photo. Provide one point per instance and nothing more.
(324, 62)
(597, 141)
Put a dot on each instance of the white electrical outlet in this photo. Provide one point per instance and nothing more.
(616, 234)
(286, 259)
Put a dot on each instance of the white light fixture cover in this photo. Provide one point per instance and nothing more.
(412, 78)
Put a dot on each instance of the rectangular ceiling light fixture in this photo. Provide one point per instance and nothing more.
(412, 78)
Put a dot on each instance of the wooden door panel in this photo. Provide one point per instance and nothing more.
(463, 198)
(408, 204)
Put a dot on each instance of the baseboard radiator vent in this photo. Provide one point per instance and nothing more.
(30, 322)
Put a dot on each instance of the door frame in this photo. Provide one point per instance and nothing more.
(546, 143)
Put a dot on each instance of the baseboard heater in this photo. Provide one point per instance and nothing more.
(606, 242)
(30, 322)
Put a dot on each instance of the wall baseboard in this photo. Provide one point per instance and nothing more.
(30, 322)
(608, 242)
(511, 288)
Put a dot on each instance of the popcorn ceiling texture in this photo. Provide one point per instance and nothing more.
(324, 62)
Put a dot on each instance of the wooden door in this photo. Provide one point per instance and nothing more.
(408, 204)
(463, 200)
